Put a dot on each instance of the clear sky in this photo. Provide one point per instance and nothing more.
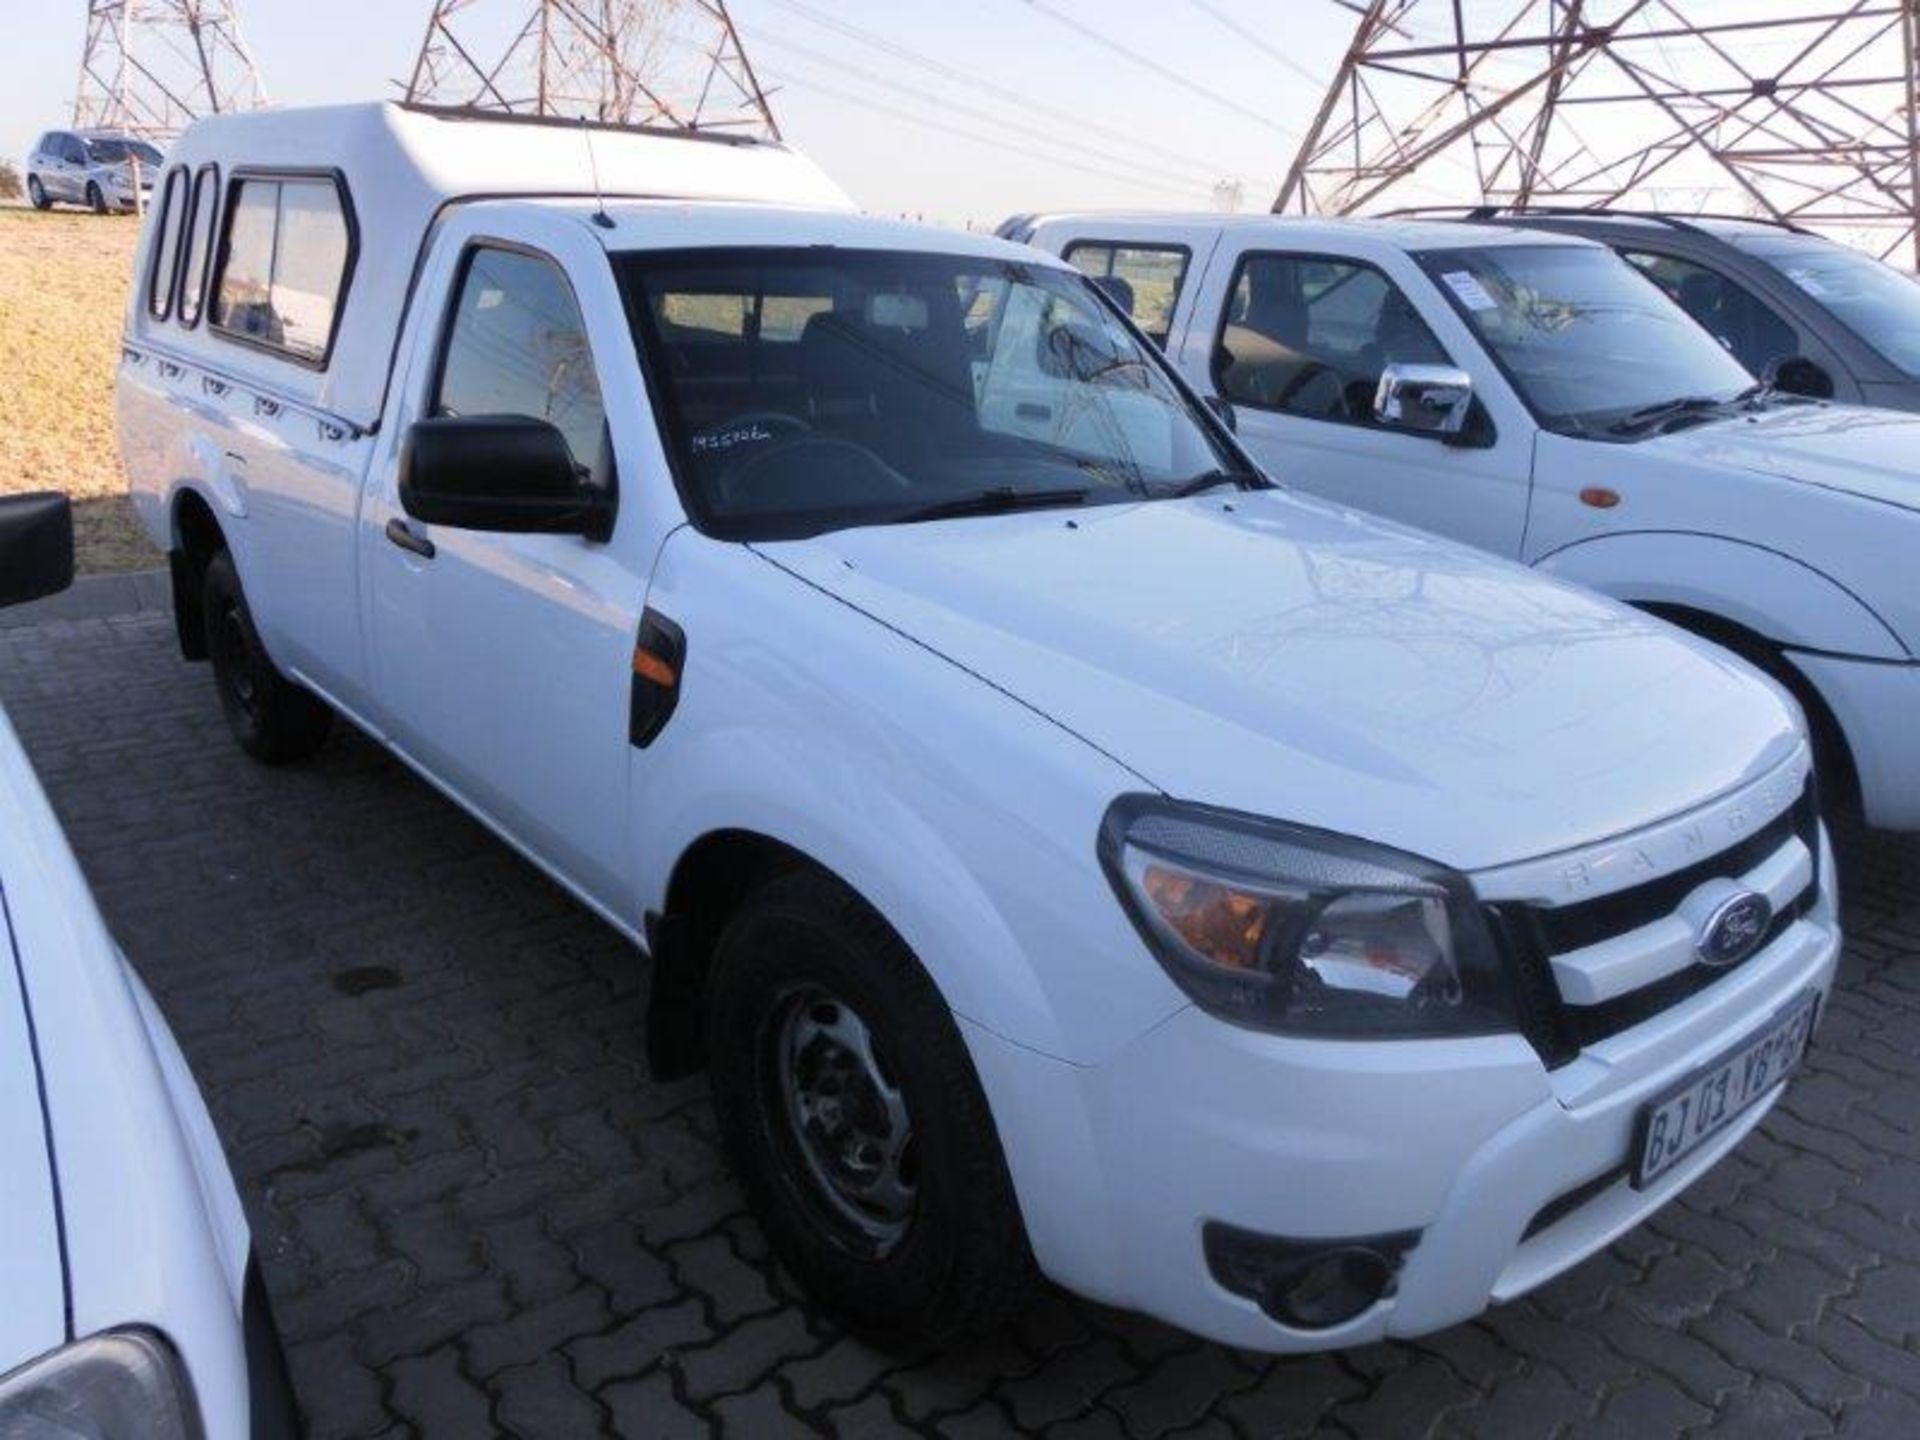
(902, 136)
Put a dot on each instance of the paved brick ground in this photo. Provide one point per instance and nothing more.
(478, 1215)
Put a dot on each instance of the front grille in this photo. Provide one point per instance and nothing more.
(1574, 927)
(1532, 934)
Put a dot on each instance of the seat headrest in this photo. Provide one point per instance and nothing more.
(836, 362)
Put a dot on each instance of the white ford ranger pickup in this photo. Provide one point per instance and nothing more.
(130, 1301)
(1536, 395)
(1062, 848)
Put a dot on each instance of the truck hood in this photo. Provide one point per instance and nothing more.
(1279, 656)
(1868, 453)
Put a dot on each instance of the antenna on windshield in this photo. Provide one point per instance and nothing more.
(600, 215)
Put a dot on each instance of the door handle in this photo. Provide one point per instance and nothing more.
(407, 538)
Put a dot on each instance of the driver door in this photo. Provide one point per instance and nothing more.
(1298, 346)
(502, 662)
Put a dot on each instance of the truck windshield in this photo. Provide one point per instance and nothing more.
(1876, 302)
(1588, 341)
(803, 390)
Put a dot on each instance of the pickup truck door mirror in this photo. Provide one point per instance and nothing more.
(1425, 399)
(36, 546)
(506, 473)
(1797, 375)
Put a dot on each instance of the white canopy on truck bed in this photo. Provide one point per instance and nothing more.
(401, 165)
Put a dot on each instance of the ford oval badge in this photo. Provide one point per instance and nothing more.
(1734, 930)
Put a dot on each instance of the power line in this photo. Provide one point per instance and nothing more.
(959, 132)
(1127, 162)
(1145, 62)
(1272, 52)
(975, 82)
(1173, 184)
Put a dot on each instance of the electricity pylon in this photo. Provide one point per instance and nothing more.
(150, 66)
(676, 63)
(1801, 113)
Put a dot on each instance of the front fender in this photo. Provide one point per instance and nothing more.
(1764, 591)
(968, 821)
(879, 845)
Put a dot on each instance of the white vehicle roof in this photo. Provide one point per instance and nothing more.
(669, 225)
(1385, 232)
(403, 164)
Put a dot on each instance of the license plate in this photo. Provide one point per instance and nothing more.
(1706, 1102)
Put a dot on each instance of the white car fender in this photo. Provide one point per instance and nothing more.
(1771, 594)
(965, 818)
(226, 1216)
(145, 1220)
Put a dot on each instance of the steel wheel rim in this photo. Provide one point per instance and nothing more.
(844, 1116)
(230, 637)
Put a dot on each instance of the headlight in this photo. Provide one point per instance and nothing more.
(126, 1383)
(1283, 928)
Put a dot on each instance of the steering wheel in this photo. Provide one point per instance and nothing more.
(736, 481)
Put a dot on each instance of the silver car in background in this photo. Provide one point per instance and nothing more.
(105, 170)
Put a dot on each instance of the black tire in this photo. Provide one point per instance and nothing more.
(96, 198)
(37, 193)
(959, 1263)
(272, 718)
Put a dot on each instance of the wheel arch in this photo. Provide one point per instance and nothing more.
(1756, 602)
(1839, 774)
(711, 880)
(1760, 591)
(197, 538)
(721, 868)
(894, 859)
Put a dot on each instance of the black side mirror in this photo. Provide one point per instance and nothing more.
(505, 473)
(1797, 375)
(36, 546)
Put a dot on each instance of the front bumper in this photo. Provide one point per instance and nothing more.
(1877, 705)
(1473, 1144)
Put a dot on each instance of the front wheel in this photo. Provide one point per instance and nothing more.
(272, 718)
(37, 193)
(855, 1121)
(96, 198)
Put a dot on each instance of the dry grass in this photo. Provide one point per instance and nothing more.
(63, 284)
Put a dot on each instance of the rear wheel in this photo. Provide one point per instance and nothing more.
(273, 719)
(856, 1123)
(96, 198)
(37, 193)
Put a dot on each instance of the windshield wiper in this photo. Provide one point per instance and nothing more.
(1211, 479)
(1656, 415)
(998, 501)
